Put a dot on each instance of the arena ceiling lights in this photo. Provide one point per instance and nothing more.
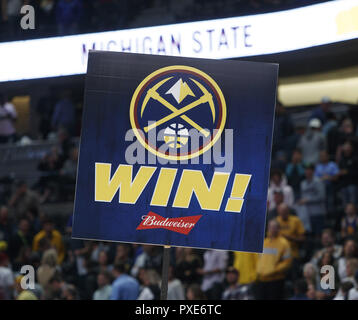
(245, 36)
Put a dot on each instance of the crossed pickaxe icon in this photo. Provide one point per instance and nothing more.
(206, 97)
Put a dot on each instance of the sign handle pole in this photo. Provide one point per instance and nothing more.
(165, 271)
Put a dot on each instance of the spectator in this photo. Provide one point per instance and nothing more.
(278, 183)
(322, 293)
(68, 15)
(311, 292)
(150, 285)
(326, 170)
(108, 14)
(103, 262)
(21, 240)
(55, 288)
(78, 262)
(46, 17)
(64, 144)
(175, 287)
(188, 266)
(313, 196)
(311, 275)
(278, 198)
(245, 263)
(328, 245)
(312, 142)
(52, 236)
(235, 291)
(348, 173)
(347, 128)
(122, 256)
(23, 200)
(291, 228)
(300, 290)
(104, 288)
(334, 139)
(283, 128)
(48, 184)
(34, 219)
(330, 123)
(45, 106)
(87, 282)
(353, 293)
(273, 264)
(150, 258)
(351, 269)
(124, 286)
(69, 169)
(6, 278)
(343, 291)
(8, 116)
(194, 292)
(280, 160)
(35, 261)
(6, 227)
(213, 271)
(349, 252)
(321, 112)
(47, 268)
(51, 163)
(295, 172)
(97, 247)
(349, 223)
(70, 293)
(64, 112)
(293, 140)
(345, 133)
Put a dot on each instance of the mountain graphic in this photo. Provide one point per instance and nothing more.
(180, 90)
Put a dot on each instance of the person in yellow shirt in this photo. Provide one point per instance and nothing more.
(245, 263)
(291, 228)
(53, 236)
(273, 264)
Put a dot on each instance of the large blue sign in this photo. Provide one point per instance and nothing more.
(175, 151)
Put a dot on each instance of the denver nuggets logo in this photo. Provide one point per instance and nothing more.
(182, 103)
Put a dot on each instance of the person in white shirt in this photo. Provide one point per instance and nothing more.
(104, 288)
(353, 293)
(278, 183)
(215, 264)
(150, 284)
(175, 287)
(349, 251)
(6, 278)
(8, 116)
(351, 269)
(343, 291)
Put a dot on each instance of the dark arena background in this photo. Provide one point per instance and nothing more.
(313, 190)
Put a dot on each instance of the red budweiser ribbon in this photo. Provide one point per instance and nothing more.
(182, 225)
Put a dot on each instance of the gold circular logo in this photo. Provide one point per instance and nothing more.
(181, 102)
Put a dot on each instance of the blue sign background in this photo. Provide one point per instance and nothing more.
(249, 89)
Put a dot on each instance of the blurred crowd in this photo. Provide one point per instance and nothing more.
(64, 17)
(312, 222)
